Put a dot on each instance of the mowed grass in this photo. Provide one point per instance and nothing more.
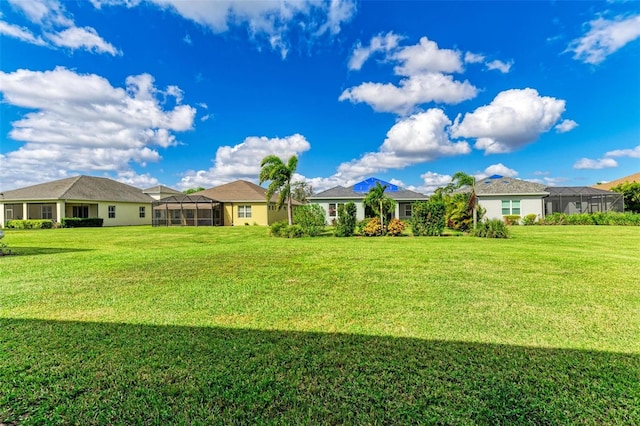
(228, 325)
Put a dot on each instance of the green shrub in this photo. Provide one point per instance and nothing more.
(492, 228)
(580, 219)
(554, 219)
(295, 231)
(311, 218)
(76, 222)
(512, 219)
(530, 219)
(396, 227)
(346, 223)
(373, 228)
(279, 229)
(30, 224)
(360, 226)
(428, 217)
(599, 218)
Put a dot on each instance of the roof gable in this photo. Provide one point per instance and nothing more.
(502, 185)
(239, 190)
(88, 188)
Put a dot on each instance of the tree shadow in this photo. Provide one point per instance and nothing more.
(34, 251)
(101, 373)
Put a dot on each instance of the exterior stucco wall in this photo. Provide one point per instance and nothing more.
(329, 218)
(126, 214)
(259, 214)
(529, 204)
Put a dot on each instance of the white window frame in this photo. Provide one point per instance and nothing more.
(244, 212)
(111, 212)
(513, 207)
(47, 211)
(142, 212)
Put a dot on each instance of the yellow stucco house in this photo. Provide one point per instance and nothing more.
(78, 197)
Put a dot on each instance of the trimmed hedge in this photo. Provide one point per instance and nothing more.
(76, 222)
(30, 224)
(611, 218)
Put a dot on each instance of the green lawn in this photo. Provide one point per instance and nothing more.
(227, 325)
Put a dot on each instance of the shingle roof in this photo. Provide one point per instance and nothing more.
(340, 192)
(631, 178)
(501, 185)
(161, 188)
(237, 191)
(80, 188)
(577, 190)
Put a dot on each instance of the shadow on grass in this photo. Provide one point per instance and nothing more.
(98, 373)
(33, 251)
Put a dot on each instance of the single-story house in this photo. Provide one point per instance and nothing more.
(79, 197)
(159, 192)
(332, 198)
(244, 203)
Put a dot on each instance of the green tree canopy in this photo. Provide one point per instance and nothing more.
(379, 202)
(279, 174)
(192, 190)
(631, 192)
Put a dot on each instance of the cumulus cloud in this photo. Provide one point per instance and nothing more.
(379, 43)
(496, 169)
(566, 126)
(416, 139)
(473, 58)
(604, 38)
(427, 76)
(513, 119)
(81, 122)
(430, 182)
(242, 161)
(272, 22)
(602, 163)
(503, 67)
(57, 27)
(632, 153)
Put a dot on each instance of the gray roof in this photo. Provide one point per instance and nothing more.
(88, 188)
(501, 185)
(577, 191)
(161, 189)
(340, 192)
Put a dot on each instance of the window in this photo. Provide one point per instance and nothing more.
(47, 212)
(332, 210)
(244, 212)
(8, 213)
(579, 206)
(510, 207)
(407, 210)
(142, 212)
(112, 212)
(80, 211)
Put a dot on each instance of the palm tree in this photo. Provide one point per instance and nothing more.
(378, 201)
(461, 179)
(273, 169)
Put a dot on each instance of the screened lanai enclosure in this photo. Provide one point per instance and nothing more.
(582, 199)
(187, 210)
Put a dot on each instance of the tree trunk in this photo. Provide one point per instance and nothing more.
(289, 210)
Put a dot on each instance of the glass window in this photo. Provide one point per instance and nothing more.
(332, 209)
(510, 207)
(112, 212)
(80, 211)
(407, 210)
(244, 212)
(142, 212)
(515, 207)
(47, 212)
(506, 207)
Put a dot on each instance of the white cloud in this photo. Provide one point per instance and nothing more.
(604, 38)
(430, 182)
(242, 161)
(416, 139)
(84, 124)
(82, 38)
(513, 119)
(57, 26)
(473, 58)
(416, 90)
(426, 69)
(503, 67)
(21, 33)
(273, 22)
(379, 43)
(602, 163)
(566, 126)
(496, 169)
(632, 153)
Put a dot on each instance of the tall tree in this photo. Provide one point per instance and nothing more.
(273, 169)
(379, 202)
(301, 191)
(461, 179)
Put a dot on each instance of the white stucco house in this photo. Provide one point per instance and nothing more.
(503, 196)
(332, 198)
(78, 197)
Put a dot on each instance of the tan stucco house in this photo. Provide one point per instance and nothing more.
(81, 197)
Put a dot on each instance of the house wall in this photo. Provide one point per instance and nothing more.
(276, 215)
(126, 213)
(328, 213)
(259, 214)
(529, 204)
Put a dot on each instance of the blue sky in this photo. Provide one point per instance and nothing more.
(190, 93)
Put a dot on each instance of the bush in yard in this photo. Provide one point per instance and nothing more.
(492, 228)
(310, 218)
(278, 229)
(373, 228)
(396, 227)
(631, 192)
(30, 224)
(295, 231)
(76, 222)
(428, 218)
(360, 226)
(554, 219)
(530, 219)
(511, 219)
(346, 223)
